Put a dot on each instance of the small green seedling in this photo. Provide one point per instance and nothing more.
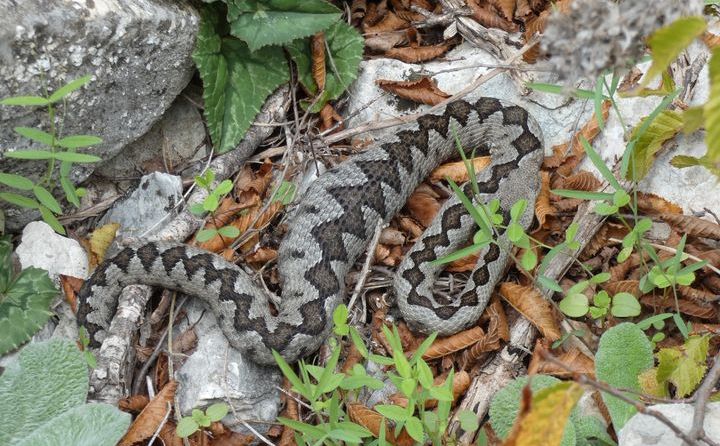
(210, 204)
(199, 419)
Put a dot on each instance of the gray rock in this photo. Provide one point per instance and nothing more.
(137, 51)
(148, 208)
(42, 247)
(177, 138)
(215, 372)
(644, 430)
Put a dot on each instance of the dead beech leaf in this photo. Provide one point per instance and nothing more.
(230, 438)
(506, 7)
(623, 286)
(99, 241)
(419, 54)
(391, 236)
(697, 294)
(464, 265)
(596, 243)
(456, 342)
(151, 417)
(694, 226)
(410, 226)
(168, 436)
(543, 208)
(371, 420)
(583, 180)
(654, 205)
(457, 171)
(134, 403)
(686, 307)
(390, 22)
(317, 49)
(71, 286)
(531, 304)
(498, 319)
(423, 206)
(573, 359)
(328, 117)
(488, 17)
(261, 256)
(423, 90)
(287, 438)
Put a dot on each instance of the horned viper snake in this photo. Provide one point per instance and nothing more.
(329, 229)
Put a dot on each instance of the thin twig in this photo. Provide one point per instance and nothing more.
(162, 423)
(702, 394)
(674, 251)
(368, 263)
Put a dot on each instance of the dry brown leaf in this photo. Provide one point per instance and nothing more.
(711, 40)
(596, 243)
(694, 226)
(353, 357)
(654, 205)
(383, 42)
(574, 360)
(287, 438)
(543, 208)
(230, 438)
(185, 341)
(697, 294)
(410, 226)
(457, 171)
(536, 24)
(531, 304)
(456, 342)
(151, 417)
(488, 17)
(329, 117)
(134, 403)
(567, 204)
(488, 343)
(686, 307)
(506, 7)
(712, 255)
(461, 382)
(357, 10)
(371, 420)
(71, 286)
(390, 22)
(417, 55)
(391, 236)
(571, 159)
(317, 50)
(422, 206)
(623, 286)
(167, 435)
(423, 90)
(261, 256)
(582, 180)
(464, 265)
(498, 319)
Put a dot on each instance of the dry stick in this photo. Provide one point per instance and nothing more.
(377, 125)
(703, 394)
(642, 408)
(366, 266)
(508, 361)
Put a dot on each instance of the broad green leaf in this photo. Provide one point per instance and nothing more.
(413, 425)
(19, 200)
(682, 161)
(211, 203)
(25, 101)
(665, 126)
(30, 154)
(277, 22)
(223, 188)
(42, 400)
(206, 234)
(69, 88)
(601, 299)
(625, 305)
(229, 231)
(468, 420)
(395, 413)
(46, 198)
(711, 112)
(35, 134)
(298, 385)
(684, 366)
(693, 118)
(515, 232)
(186, 427)
(528, 261)
(549, 284)
(77, 157)
(603, 208)
(236, 81)
(548, 415)
(667, 42)
(76, 141)
(623, 354)
(346, 50)
(517, 210)
(16, 181)
(340, 315)
(574, 305)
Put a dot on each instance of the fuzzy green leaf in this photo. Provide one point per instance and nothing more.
(684, 366)
(346, 50)
(236, 81)
(277, 22)
(229, 231)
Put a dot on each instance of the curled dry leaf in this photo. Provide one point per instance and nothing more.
(488, 17)
(410, 226)
(261, 256)
(186, 341)
(230, 438)
(423, 206)
(464, 265)
(317, 49)
(457, 171)
(71, 286)
(694, 226)
(543, 208)
(711, 40)
(498, 319)
(352, 357)
(456, 342)
(417, 55)
(390, 22)
(328, 118)
(575, 363)
(531, 304)
(654, 205)
(506, 7)
(583, 180)
(686, 307)
(391, 236)
(697, 294)
(150, 418)
(565, 161)
(371, 420)
(567, 204)
(423, 90)
(712, 255)
(357, 10)
(134, 403)
(596, 243)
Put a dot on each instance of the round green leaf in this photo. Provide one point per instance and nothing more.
(528, 260)
(621, 198)
(206, 234)
(224, 187)
(217, 411)
(574, 305)
(186, 427)
(601, 299)
(625, 305)
(518, 209)
(229, 231)
(603, 208)
(515, 232)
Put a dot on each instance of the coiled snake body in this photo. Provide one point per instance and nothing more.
(329, 230)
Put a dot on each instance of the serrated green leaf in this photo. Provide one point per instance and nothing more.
(236, 81)
(69, 88)
(77, 141)
(667, 42)
(277, 22)
(665, 126)
(35, 134)
(74, 157)
(25, 101)
(346, 50)
(46, 198)
(684, 366)
(16, 181)
(515, 232)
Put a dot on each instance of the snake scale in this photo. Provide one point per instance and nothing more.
(330, 228)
